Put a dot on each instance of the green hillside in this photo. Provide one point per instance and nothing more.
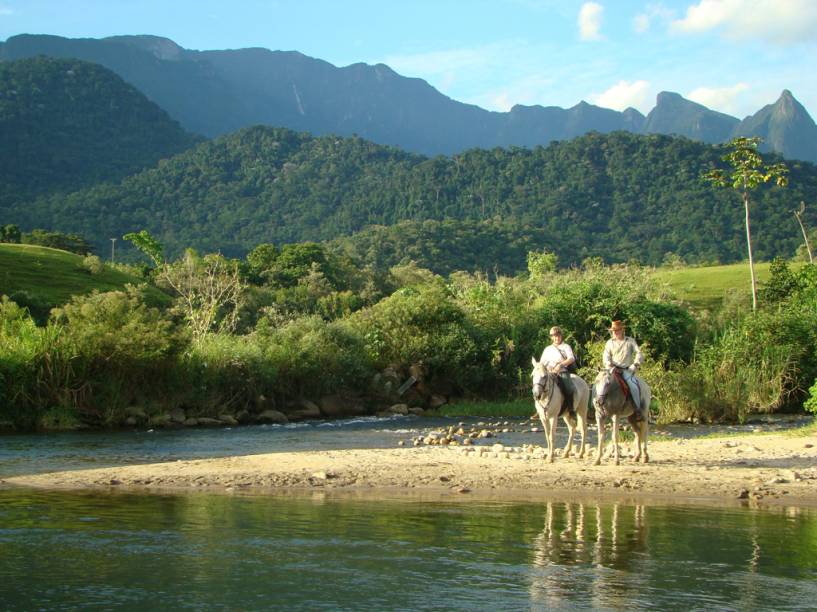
(68, 124)
(707, 286)
(616, 196)
(42, 278)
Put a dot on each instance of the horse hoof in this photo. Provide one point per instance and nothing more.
(646, 459)
(550, 459)
(597, 462)
(617, 462)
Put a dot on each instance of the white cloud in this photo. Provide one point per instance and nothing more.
(623, 94)
(644, 20)
(590, 21)
(776, 21)
(723, 99)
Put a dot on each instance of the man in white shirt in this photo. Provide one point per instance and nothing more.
(557, 358)
(622, 352)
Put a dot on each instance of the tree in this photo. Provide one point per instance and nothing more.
(209, 291)
(10, 233)
(146, 243)
(798, 214)
(747, 173)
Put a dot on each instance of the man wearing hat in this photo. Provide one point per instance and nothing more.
(558, 358)
(622, 352)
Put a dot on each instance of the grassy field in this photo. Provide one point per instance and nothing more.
(705, 287)
(52, 276)
(513, 408)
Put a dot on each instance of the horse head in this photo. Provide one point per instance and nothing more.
(543, 380)
(600, 387)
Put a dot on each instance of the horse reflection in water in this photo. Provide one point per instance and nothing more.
(604, 537)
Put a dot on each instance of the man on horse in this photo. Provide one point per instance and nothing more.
(558, 358)
(623, 354)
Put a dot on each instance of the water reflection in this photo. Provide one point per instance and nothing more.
(604, 538)
(75, 551)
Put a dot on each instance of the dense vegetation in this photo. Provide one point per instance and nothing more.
(617, 196)
(302, 322)
(68, 124)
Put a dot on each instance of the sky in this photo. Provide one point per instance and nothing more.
(734, 56)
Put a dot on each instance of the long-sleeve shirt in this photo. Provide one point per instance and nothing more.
(622, 353)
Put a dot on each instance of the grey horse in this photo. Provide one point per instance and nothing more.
(548, 400)
(610, 402)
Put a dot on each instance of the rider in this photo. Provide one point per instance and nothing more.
(557, 358)
(622, 352)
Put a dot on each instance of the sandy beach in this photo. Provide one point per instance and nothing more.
(763, 469)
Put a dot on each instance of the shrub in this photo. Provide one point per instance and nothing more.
(93, 264)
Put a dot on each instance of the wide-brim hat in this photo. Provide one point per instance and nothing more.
(617, 325)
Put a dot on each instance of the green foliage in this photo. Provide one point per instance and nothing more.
(811, 402)
(148, 245)
(614, 196)
(93, 264)
(10, 233)
(68, 124)
(73, 243)
(541, 262)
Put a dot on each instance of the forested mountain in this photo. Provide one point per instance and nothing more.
(67, 124)
(218, 92)
(619, 196)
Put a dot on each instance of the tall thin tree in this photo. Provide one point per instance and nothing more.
(747, 172)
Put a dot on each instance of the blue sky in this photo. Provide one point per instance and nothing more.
(731, 55)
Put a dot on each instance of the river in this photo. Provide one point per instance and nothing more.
(92, 550)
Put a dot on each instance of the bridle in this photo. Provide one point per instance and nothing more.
(542, 386)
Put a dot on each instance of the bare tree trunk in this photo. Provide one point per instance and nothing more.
(749, 248)
(797, 214)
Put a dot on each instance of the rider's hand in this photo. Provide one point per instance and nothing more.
(633, 368)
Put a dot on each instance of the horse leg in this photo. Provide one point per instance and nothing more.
(615, 437)
(632, 419)
(571, 431)
(583, 428)
(645, 431)
(600, 423)
(553, 421)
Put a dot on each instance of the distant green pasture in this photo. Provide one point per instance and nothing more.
(53, 275)
(705, 287)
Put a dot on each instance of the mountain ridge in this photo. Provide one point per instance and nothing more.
(215, 92)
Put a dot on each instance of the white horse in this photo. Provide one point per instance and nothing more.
(610, 401)
(548, 400)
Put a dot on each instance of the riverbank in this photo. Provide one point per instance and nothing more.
(777, 469)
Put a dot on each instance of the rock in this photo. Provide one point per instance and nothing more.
(416, 411)
(743, 494)
(114, 481)
(417, 370)
(304, 409)
(435, 401)
(463, 490)
(498, 448)
(272, 416)
(209, 422)
(162, 420)
(485, 433)
(243, 416)
(401, 443)
(136, 412)
(809, 445)
(399, 409)
(335, 406)
(131, 421)
(320, 476)
(227, 419)
(177, 416)
(191, 422)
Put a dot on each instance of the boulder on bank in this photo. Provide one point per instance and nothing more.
(272, 416)
(336, 406)
(177, 415)
(302, 409)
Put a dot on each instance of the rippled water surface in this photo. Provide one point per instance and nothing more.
(214, 552)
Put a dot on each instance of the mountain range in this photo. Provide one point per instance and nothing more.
(218, 92)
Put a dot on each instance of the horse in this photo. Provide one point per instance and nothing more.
(610, 401)
(548, 400)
